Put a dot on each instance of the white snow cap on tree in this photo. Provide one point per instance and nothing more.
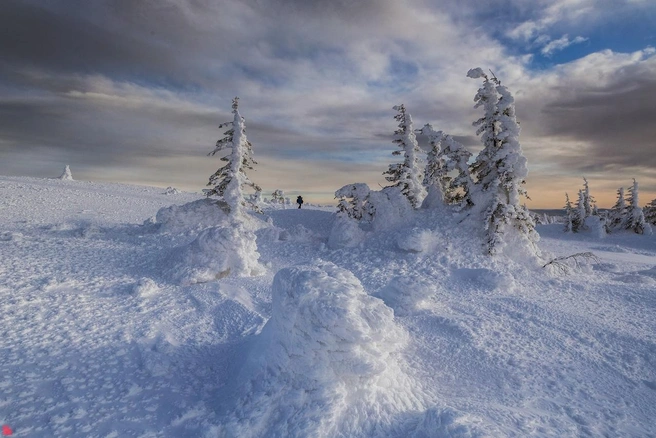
(67, 175)
(407, 175)
(500, 168)
(229, 181)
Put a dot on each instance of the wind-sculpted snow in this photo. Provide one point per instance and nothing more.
(216, 253)
(327, 363)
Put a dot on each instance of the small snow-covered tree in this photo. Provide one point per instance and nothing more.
(569, 215)
(352, 201)
(407, 175)
(228, 182)
(650, 212)
(635, 218)
(500, 168)
(617, 214)
(66, 175)
(278, 197)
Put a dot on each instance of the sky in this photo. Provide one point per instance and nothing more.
(133, 91)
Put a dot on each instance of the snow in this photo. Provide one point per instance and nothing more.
(411, 332)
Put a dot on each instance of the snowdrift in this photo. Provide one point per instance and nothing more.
(326, 363)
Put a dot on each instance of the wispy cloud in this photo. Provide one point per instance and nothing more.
(560, 44)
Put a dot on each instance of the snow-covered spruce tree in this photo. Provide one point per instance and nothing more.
(579, 217)
(588, 200)
(635, 218)
(407, 175)
(500, 168)
(229, 181)
(569, 215)
(650, 212)
(617, 214)
(445, 156)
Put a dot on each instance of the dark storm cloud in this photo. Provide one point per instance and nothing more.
(35, 37)
(616, 121)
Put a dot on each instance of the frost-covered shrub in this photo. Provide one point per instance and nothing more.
(345, 233)
(352, 201)
(326, 362)
(216, 253)
(171, 191)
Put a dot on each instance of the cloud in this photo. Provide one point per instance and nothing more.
(127, 88)
(560, 44)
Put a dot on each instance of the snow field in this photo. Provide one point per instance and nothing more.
(411, 332)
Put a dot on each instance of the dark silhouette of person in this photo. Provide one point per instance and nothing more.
(299, 201)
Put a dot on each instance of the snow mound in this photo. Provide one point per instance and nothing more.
(145, 287)
(345, 233)
(326, 363)
(417, 240)
(66, 175)
(193, 216)
(406, 294)
(216, 253)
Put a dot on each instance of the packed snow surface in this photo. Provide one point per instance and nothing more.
(402, 330)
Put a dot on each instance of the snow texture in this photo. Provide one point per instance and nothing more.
(364, 341)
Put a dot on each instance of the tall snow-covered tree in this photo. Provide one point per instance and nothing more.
(617, 214)
(228, 182)
(579, 215)
(588, 200)
(407, 175)
(446, 157)
(635, 218)
(500, 168)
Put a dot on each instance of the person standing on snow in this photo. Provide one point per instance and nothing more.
(299, 201)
